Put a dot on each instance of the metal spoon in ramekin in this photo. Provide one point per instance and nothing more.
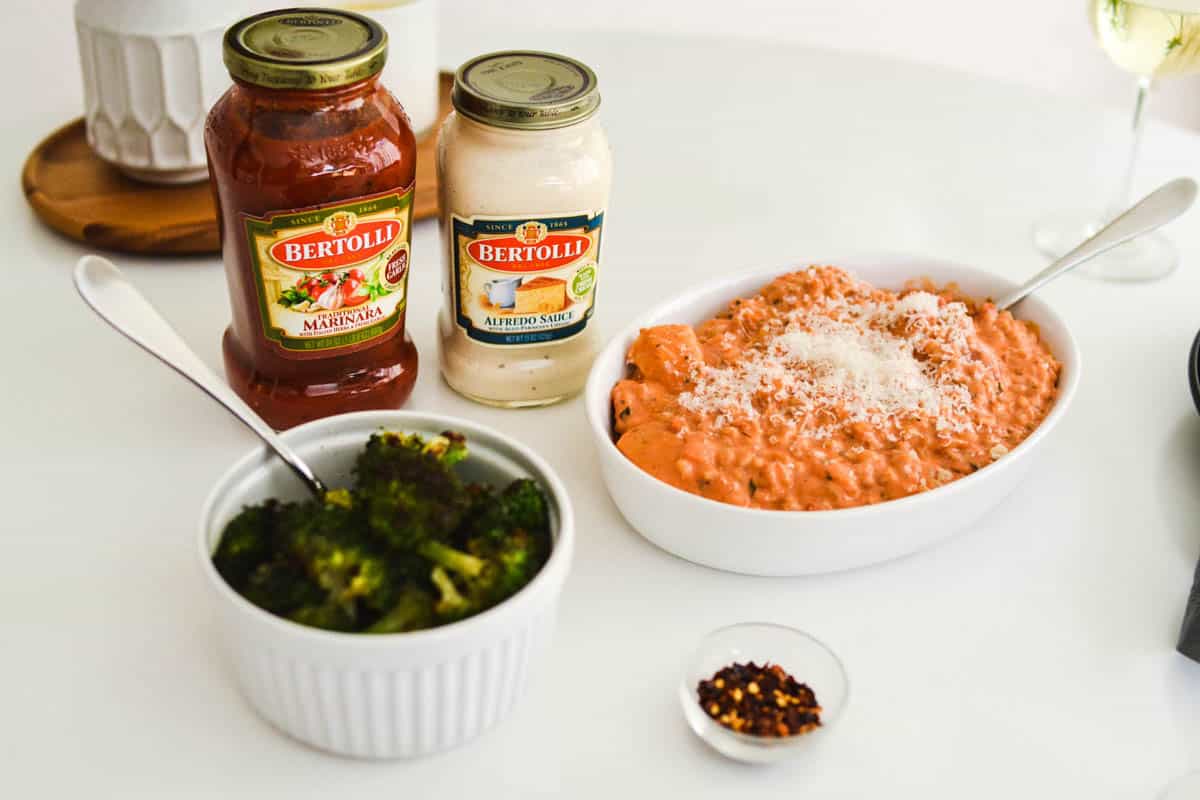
(122, 306)
(1155, 209)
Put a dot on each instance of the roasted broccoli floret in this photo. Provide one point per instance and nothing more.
(509, 562)
(403, 518)
(414, 500)
(510, 532)
(406, 457)
(449, 448)
(330, 616)
(281, 587)
(525, 506)
(517, 558)
(521, 505)
(451, 604)
(412, 611)
(339, 497)
(511, 559)
(325, 540)
(305, 561)
(246, 543)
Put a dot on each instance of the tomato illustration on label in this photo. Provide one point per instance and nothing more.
(334, 276)
(326, 291)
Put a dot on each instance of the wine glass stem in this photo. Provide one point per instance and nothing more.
(1139, 115)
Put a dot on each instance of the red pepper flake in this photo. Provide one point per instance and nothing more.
(759, 700)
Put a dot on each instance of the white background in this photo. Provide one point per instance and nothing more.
(1030, 657)
(1042, 43)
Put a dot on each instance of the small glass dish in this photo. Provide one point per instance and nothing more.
(802, 656)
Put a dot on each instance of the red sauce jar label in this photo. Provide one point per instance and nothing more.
(332, 277)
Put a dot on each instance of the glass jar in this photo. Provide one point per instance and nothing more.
(524, 174)
(312, 164)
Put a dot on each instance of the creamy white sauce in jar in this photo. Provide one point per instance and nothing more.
(524, 172)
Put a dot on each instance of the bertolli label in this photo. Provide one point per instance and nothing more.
(525, 280)
(332, 277)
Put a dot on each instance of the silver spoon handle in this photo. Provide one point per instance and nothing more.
(1157, 208)
(122, 306)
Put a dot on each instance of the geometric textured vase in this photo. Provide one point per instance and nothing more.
(151, 71)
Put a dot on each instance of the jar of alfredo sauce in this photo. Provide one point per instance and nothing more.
(524, 173)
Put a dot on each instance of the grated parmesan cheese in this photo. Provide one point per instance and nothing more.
(847, 361)
(922, 303)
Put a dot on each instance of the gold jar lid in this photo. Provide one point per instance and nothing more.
(305, 48)
(525, 89)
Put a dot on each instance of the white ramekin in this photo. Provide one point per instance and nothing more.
(392, 695)
(761, 542)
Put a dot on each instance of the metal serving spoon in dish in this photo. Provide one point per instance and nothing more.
(1157, 208)
(118, 303)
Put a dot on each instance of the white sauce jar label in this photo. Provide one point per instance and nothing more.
(525, 280)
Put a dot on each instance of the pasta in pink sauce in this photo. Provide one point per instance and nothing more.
(824, 392)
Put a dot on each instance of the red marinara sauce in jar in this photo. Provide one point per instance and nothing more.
(312, 164)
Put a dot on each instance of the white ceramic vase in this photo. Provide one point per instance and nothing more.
(151, 70)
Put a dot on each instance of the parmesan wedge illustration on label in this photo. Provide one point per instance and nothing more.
(525, 280)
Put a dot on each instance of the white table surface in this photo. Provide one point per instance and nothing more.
(1030, 657)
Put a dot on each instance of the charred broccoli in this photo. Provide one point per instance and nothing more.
(405, 518)
(510, 536)
(521, 505)
(320, 537)
(281, 587)
(415, 500)
(510, 561)
(410, 547)
(411, 611)
(451, 604)
(246, 542)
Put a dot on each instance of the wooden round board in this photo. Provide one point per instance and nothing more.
(73, 191)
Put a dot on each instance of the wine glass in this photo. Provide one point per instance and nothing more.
(1151, 39)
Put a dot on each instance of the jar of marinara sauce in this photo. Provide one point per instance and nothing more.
(312, 164)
